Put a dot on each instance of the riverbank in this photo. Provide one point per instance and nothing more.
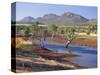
(38, 64)
(30, 61)
(92, 42)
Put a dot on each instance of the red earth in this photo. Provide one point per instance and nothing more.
(78, 41)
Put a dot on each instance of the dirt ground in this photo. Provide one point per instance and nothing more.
(78, 41)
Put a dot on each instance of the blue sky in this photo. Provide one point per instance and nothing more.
(38, 10)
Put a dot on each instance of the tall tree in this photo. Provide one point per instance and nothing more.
(27, 31)
(70, 34)
(53, 29)
(91, 29)
(44, 33)
(35, 29)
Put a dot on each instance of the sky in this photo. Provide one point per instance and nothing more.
(38, 10)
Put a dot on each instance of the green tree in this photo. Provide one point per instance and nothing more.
(34, 29)
(70, 33)
(53, 29)
(91, 29)
(44, 34)
(19, 28)
(27, 31)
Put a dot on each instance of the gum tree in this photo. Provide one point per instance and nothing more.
(43, 37)
(34, 28)
(53, 29)
(70, 34)
(91, 28)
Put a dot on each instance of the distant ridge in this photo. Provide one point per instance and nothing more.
(64, 19)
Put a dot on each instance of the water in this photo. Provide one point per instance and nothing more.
(88, 56)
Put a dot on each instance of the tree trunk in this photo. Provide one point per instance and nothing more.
(68, 42)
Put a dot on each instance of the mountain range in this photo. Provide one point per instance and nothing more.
(64, 19)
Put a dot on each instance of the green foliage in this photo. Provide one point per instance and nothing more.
(60, 30)
(27, 31)
(52, 28)
(69, 33)
(19, 28)
(34, 27)
(91, 29)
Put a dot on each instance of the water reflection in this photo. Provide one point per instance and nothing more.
(88, 56)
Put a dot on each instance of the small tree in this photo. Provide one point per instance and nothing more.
(70, 32)
(34, 28)
(20, 28)
(44, 33)
(27, 31)
(91, 28)
(53, 29)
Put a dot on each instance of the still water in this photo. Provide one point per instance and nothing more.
(88, 56)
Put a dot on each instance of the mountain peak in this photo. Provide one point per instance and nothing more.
(50, 15)
(28, 19)
(69, 14)
(64, 19)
